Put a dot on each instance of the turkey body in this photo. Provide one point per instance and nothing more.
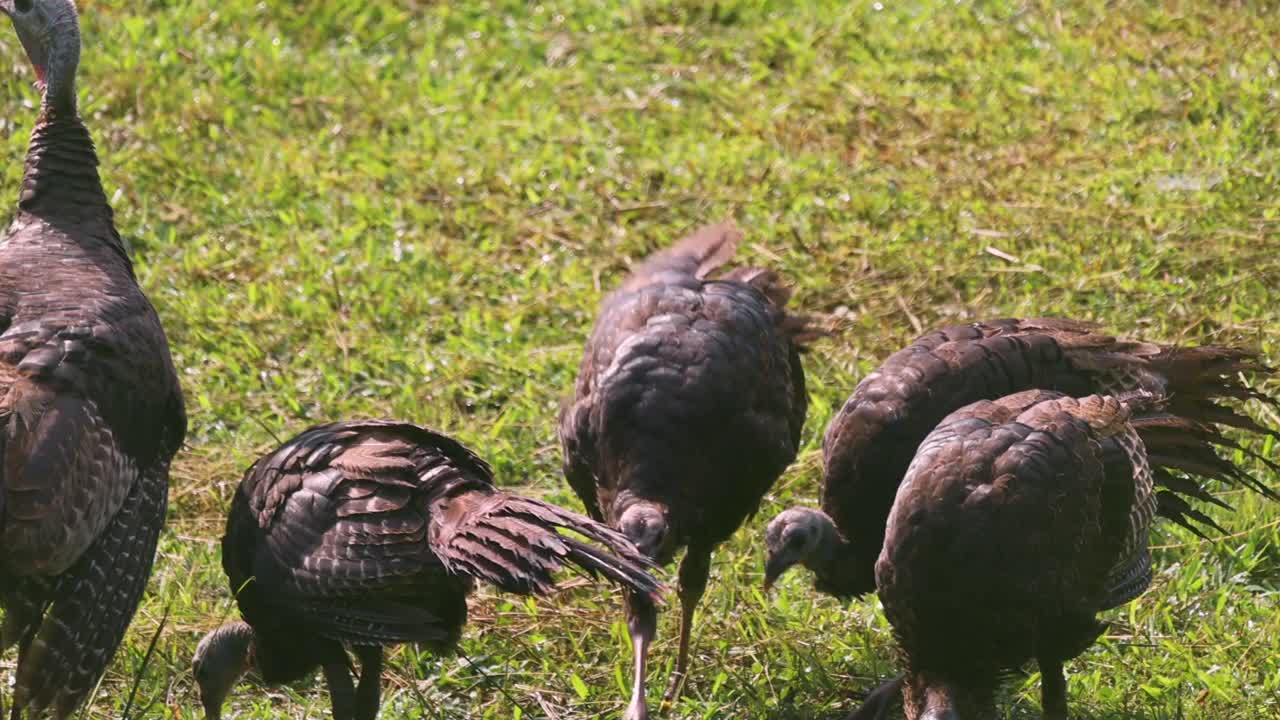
(91, 413)
(90, 416)
(873, 438)
(1174, 405)
(689, 404)
(1018, 521)
(371, 533)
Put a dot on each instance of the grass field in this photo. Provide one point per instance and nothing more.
(409, 209)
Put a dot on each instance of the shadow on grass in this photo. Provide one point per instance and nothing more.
(800, 713)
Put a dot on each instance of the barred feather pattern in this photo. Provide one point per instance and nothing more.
(89, 607)
(91, 414)
(1131, 575)
(689, 364)
(1018, 520)
(872, 439)
(373, 532)
(513, 543)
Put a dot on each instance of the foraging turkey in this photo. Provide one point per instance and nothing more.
(689, 404)
(874, 438)
(371, 533)
(1018, 521)
(91, 411)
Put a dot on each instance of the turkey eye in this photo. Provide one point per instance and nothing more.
(22, 6)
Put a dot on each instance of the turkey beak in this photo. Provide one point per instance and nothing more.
(774, 567)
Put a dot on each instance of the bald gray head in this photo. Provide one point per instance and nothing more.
(646, 525)
(798, 536)
(50, 33)
(221, 659)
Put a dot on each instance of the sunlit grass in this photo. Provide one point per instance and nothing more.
(411, 209)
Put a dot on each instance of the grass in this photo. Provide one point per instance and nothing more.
(411, 209)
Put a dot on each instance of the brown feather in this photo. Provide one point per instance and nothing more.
(91, 413)
(374, 532)
(1024, 516)
(871, 441)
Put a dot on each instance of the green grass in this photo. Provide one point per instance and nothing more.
(401, 208)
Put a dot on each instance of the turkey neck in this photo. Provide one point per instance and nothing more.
(838, 570)
(61, 174)
(64, 59)
(60, 186)
(60, 179)
(62, 170)
(824, 561)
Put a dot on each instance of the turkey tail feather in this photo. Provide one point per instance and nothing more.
(802, 329)
(1200, 377)
(698, 255)
(706, 251)
(1185, 436)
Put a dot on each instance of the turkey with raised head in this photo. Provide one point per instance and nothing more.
(370, 533)
(91, 412)
(688, 406)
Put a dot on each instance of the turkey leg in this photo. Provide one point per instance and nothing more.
(23, 646)
(694, 569)
(642, 620)
(342, 692)
(1053, 689)
(368, 694)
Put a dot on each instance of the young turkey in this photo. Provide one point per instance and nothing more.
(875, 436)
(371, 533)
(91, 412)
(688, 406)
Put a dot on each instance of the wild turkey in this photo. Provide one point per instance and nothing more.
(873, 439)
(374, 532)
(1018, 521)
(90, 408)
(689, 405)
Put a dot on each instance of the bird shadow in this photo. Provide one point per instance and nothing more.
(798, 713)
